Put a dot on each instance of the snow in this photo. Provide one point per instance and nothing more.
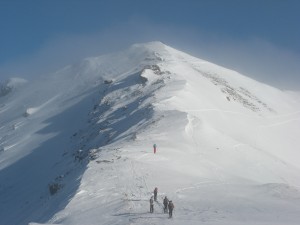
(226, 144)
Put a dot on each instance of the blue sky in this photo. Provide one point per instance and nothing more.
(257, 38)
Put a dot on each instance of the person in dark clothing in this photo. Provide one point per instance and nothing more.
(155, 194)
(171, 207)
(166, 201)
(151, 205)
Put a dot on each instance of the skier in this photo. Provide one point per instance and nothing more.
(166, 201)
(151, 205)
(154, 148)
(155, 194)
(171, 207)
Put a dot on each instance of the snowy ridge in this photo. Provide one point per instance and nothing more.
(82, 140)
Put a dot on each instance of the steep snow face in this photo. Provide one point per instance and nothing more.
(253, 114)
(76, 147)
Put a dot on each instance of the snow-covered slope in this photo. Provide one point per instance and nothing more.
(76, 146)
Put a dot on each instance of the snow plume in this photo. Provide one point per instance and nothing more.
(258, 58)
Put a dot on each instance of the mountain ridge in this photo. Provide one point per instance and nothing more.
(87, 131)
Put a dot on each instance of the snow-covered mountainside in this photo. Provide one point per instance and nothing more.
(76, 147)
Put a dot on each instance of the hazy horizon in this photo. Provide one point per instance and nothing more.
(246, 37)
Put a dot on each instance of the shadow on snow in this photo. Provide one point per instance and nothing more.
(24, 190)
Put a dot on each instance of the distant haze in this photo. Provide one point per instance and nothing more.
(255, 58)
(258, 39)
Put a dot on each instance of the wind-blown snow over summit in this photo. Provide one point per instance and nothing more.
(76, 146)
